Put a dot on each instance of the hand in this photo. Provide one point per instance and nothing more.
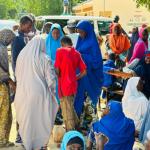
(134, 74)
(101, 139)
(112, 70)
(120, 69)
(102, 115)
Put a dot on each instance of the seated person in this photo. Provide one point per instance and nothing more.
(134, 102)
(109, 66)
(74, 140)
(119, 129)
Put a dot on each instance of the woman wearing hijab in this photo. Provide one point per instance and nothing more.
(119, 44)
(35, 102)
(91, 84)
(133, 40)
(141, 46)
(134, 102)
(75, 140)
(119, 129)
(6, 37)
(52, 44)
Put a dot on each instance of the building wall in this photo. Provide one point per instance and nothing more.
(127, 11)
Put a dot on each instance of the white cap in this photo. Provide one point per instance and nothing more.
(71, 23)
(148, 134)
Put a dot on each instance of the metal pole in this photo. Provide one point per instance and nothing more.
(104, 8)
(71, 7)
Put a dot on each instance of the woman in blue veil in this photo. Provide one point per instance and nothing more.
(52, 44)
(91, 84)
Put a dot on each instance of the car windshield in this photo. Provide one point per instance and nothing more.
(7, 24)
(103, 27)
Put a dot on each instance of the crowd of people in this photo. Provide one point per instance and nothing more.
(63, 74)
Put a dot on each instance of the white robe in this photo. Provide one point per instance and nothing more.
(74, 38)
(35, 103)
(134, 103)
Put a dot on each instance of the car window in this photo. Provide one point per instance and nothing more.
(2, 25)
(103, 27)
(39, 25)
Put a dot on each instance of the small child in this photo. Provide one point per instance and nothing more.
(66, 63)
(19, 42)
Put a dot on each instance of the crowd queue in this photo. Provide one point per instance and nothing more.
(58, 74)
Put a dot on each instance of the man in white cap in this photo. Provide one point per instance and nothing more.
(147, 142)
(72, 30)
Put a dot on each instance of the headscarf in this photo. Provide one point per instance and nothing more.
(111, 28)
(51, 44)
(120, 43)
(140, 47)
(91, 55)
(134, 39)
(134, 102)
(36, 81)
(6, 36)
(147, 73)
(148, 28)
(119, 129)
(69, 135)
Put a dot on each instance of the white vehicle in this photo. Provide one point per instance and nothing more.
(100, 23)
(7, 23)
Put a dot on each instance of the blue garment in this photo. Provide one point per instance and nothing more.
(17, 45)
(51, 44)
(91, 55)
(145, 126)
(119, 129)
(133, 40)
(51, 47)
(147, 74)
(69, 135)
(108, 79)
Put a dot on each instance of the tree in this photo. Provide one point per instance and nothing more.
(145, 3)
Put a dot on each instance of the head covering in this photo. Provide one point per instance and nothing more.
(35, 76)
(120, 43)
(147, 73)
(32, 16)
(148, 28)
(140, 47)
(119, 129)
(51, 44)
(134, 39)
(66, 31)
(134, 102)
(144, 26)
(6, 36)
(71, 24)
(148, 135)
(69, 135)
(76, 140)
(91, 55)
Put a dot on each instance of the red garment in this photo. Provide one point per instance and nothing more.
(68, 60)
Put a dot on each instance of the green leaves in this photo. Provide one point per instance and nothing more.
(145, 3)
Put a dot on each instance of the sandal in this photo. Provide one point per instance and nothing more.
(44, 147)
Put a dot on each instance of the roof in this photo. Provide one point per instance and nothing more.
(74, 17)
(88, 2)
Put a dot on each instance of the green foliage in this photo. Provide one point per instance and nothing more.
(8, 9)
(145, 3)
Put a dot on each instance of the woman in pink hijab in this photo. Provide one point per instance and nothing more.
(141, 46)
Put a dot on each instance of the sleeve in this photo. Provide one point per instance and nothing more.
(50, 77)
(16, 48)
(57, 59)
(131, 66)
(81, 64)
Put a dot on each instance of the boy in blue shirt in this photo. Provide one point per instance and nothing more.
(19, 42)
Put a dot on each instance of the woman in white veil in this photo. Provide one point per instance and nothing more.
(35, 102)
